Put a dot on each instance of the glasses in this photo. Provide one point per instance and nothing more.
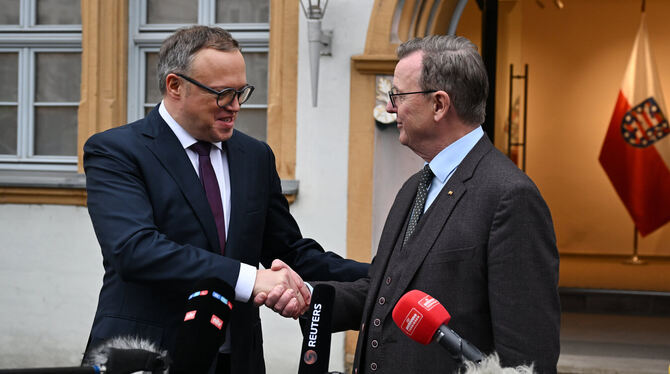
(225, 96)
(393, 94)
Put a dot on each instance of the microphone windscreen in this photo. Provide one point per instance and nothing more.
(419, 316)
(203, 330)
(126, 361)
(315, 353)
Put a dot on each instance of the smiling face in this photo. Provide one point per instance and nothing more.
(198, 112)
(414, 114)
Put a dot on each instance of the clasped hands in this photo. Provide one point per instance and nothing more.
(282, 290)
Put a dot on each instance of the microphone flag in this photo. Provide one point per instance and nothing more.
(315, 353)
(203, 329)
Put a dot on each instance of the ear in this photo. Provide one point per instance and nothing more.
(441, 105)
(173, 86)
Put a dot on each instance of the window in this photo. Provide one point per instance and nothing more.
(151, 21)
(40, 67)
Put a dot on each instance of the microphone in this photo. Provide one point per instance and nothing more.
(203, 331)
(127, 354)
(315, 352)
(424, 319)
(120, 355)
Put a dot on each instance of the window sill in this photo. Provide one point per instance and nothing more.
(67, 188)
(45, 187)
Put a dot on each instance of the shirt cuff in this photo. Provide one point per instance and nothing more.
(310, 288)
(245, 282)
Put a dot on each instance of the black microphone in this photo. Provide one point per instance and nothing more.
(203, 331)
(119, 355)
(315, 352)
(61, 370)
(127, 354)
(424, 319)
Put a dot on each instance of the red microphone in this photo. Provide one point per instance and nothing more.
(424, 319)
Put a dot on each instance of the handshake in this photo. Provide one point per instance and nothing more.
(280, 288)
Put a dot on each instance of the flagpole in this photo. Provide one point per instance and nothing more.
(635, 260)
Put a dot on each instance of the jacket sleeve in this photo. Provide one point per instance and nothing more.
(283, 240)
(122, 213)
(523, 280)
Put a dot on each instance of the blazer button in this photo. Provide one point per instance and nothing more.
(377, 322)
(374, 343)
(373, 366)
(388, 280)
(382, 300)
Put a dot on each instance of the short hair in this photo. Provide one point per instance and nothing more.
(452, 64)
(177, 51)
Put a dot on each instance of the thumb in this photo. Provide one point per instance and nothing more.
(278, 264)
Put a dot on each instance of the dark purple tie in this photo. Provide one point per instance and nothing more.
(211, 185)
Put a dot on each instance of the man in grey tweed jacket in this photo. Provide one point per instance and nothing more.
(484, 243)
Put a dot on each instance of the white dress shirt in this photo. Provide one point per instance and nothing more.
(247, 277)
(445, 163)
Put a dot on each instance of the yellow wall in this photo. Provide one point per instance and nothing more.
(576, 59)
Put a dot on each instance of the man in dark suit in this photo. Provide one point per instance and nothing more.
(470, 229)
(181, 196)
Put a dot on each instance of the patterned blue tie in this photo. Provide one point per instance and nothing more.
(419, 202)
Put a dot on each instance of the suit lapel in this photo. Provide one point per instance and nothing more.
(387, 242)
(237, 168)
(437, 215)
(163, 143)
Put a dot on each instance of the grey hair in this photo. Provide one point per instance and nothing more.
(177, 51)
(452, 64)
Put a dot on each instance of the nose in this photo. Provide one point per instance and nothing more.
(234, 105)
(390, 108)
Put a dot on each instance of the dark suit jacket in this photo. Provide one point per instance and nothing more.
(486, 250)
(158, 235)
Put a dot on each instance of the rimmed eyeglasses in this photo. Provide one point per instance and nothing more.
(393, 94)
(226, 95)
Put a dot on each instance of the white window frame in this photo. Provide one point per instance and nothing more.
(143, 38)
(26, 39)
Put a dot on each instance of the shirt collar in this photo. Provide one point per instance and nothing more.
(449, 158)
(184, 137)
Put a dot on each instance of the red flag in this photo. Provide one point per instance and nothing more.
(636, 150)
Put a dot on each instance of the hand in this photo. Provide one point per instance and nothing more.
(281, 289)
(302, 288)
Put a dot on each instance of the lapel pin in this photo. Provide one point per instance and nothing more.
(450, 193)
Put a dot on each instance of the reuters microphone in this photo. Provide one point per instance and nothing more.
(203, 330)
(424, 319)
(315, 352)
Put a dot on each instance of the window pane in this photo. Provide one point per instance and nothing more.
(56, 131)
(57, 76)
(153, 94)
(243, 11)
(8, 130)
(257, 76)
(172, 11)
(58, 12)
(9, 76)
(10, 12)
(252, 122)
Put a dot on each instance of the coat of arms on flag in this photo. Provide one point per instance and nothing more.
(636, 150)
(645, 124)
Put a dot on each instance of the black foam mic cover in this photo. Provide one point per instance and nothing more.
(203, 330)
(315, 352)
(127, 361)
